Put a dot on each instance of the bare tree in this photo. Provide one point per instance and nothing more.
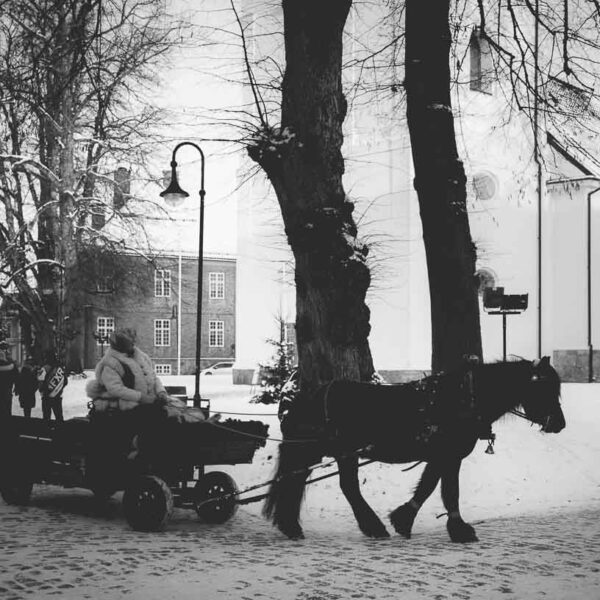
(293, 131)
(302, 159)
(73, 79)
(440, 183)
(542, 59)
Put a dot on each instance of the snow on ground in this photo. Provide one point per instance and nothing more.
(535, 504)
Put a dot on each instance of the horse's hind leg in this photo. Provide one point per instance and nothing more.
(459, 530)
(370, 524)
(404, 516)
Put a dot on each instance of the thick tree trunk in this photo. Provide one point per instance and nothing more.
(441, 186)
(303, 160)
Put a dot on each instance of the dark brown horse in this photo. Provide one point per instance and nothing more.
(437, 419)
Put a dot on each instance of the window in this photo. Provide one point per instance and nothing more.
(104, 327)
(216, 334)
(104, 284)
(162, 283)
(485, 185)
(216, 286)
(482, 67)
(162, 332)
(162, 369)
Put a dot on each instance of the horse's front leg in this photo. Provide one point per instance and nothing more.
(459, 530)
(368, 521)
(404, 516)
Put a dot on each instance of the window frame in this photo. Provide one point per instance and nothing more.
(162, 283)
(481, 72)
(106, 329)
(162, 369)
(162, 329)
(216, 329)
(216, 285)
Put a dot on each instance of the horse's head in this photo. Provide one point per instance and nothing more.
(541, 400)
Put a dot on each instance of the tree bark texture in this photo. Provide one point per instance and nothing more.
(440, 183)
(304, 163)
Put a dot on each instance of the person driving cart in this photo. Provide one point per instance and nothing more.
(125, 375)
(130, 403)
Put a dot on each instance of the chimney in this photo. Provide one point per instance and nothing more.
(166, 178)
(122, 187)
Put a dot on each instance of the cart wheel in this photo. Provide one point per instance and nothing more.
(147, 503)
(215, 497)
(16, 485)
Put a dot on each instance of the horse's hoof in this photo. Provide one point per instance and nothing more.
(293, 532)
(402, 519)
(377, 533)
(461, 532)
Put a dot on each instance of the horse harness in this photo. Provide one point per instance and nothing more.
(428, 388)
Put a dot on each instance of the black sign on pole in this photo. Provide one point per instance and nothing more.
(496, 302)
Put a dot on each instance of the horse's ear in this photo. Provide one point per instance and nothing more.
(543, 362)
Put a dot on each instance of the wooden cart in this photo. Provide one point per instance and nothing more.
(35, 451)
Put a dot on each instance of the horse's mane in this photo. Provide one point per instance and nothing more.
(521, 368)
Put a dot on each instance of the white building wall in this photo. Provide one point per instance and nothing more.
(504, 227)
(568, 256)
(491, 139)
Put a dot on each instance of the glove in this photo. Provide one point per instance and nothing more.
(162, 399)
(146, 399)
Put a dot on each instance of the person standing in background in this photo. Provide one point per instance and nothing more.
(26, 387)
(52, 379)
(8, 378)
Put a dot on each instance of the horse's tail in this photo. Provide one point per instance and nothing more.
(301, 448)
(286, 492)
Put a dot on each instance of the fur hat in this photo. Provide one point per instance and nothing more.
(122, 339)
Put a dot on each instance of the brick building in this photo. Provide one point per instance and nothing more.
(159, 300)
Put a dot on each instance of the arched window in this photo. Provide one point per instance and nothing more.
(482, 67)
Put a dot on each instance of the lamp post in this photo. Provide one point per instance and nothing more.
(173, 196)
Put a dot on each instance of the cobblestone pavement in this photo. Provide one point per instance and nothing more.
(61, 546)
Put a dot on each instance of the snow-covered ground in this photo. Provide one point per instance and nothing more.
(535, 504)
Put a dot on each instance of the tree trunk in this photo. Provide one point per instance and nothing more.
(303, 160)
(58, 220)
(440, 183)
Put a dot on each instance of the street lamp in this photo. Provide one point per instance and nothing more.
(173, 196)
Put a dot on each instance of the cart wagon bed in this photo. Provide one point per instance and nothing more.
(38, 451)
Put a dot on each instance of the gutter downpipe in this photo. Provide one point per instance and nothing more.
(536, 152)
(179, 315)
(589, 287)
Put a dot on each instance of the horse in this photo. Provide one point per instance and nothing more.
(436, 420)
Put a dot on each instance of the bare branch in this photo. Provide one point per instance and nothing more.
(258, 102)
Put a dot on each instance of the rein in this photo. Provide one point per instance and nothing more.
(321, 465)
(520, 413)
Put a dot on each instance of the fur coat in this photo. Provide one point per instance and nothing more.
(130, 379)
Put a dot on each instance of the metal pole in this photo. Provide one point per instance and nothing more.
(589, 287)
(504, 337)
(179, 314)
(197, 396)
(537, 158)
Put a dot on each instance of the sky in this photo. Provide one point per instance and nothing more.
(194, 91)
